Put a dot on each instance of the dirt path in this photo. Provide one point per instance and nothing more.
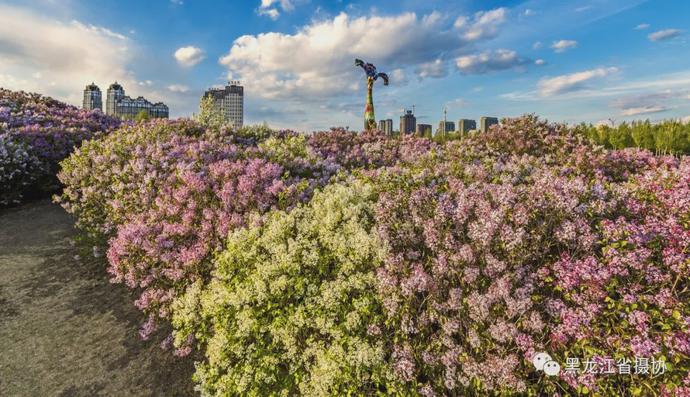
(64, 329)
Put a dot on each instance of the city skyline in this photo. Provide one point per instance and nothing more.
(590, 60)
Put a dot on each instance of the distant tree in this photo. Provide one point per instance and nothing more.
(143, 115)
(643, 135)
(210, 115)
(621, 137)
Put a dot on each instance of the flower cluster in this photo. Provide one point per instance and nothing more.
(289, 308)
(48, 131)
(18, 169)
(370, 149)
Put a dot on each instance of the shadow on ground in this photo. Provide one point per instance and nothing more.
(64, 329)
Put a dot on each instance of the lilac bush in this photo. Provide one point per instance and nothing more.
(289, 307)
(164, 194)
(369, 149)
(360, 263)
(49, 131)
(523, 249)
(109, 180)
(18, 169)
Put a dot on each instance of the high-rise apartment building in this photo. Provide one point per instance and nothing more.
(114, 94)
(386, 126)
(408, 123)
(465, 125)
(230, 101)
(486, 122)
(92, 98)
(120, 105)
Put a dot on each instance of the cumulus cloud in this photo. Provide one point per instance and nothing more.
(318, 60)
(642, 26)
(58, 58)
(488, 61)
(563, 45)
(435, 69)
(178, 88)
(539, 62)
(271, 13)
(665, 34)
(484, 24)
(571, 82)
(189, 56)
(269, 8)
(537, 45)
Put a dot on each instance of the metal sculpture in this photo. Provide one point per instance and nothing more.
(372, 75)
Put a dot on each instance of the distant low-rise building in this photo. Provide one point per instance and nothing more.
(486, 122)
(408, 123)
(92, 98)
(466, 125)
(386, 126)
(120, 105)
(229, 100)
(424, 129)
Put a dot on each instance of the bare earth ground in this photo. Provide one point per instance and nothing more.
(64, 329)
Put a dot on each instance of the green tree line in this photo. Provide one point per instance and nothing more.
(666, 137)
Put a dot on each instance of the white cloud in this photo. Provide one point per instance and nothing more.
(665, 34)
(672, 82)
(269, 8)
(539, 62)
(271, 13)
(563, 45)
(178, 88)
(457, 103)
(484, 24)
(435, 69)
(642, 26)
(570, 82)
(318, 60)
(145, 83)
(528, 12)
(189, 56)
(537, 45)
(685, 119)
(286, 5)
(488, 61)
(650, 102)
(65, 55)
(643, 110)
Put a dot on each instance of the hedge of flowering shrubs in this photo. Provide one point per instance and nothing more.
(36, 133)
(358, 264)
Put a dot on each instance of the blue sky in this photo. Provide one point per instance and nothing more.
(571, 61)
